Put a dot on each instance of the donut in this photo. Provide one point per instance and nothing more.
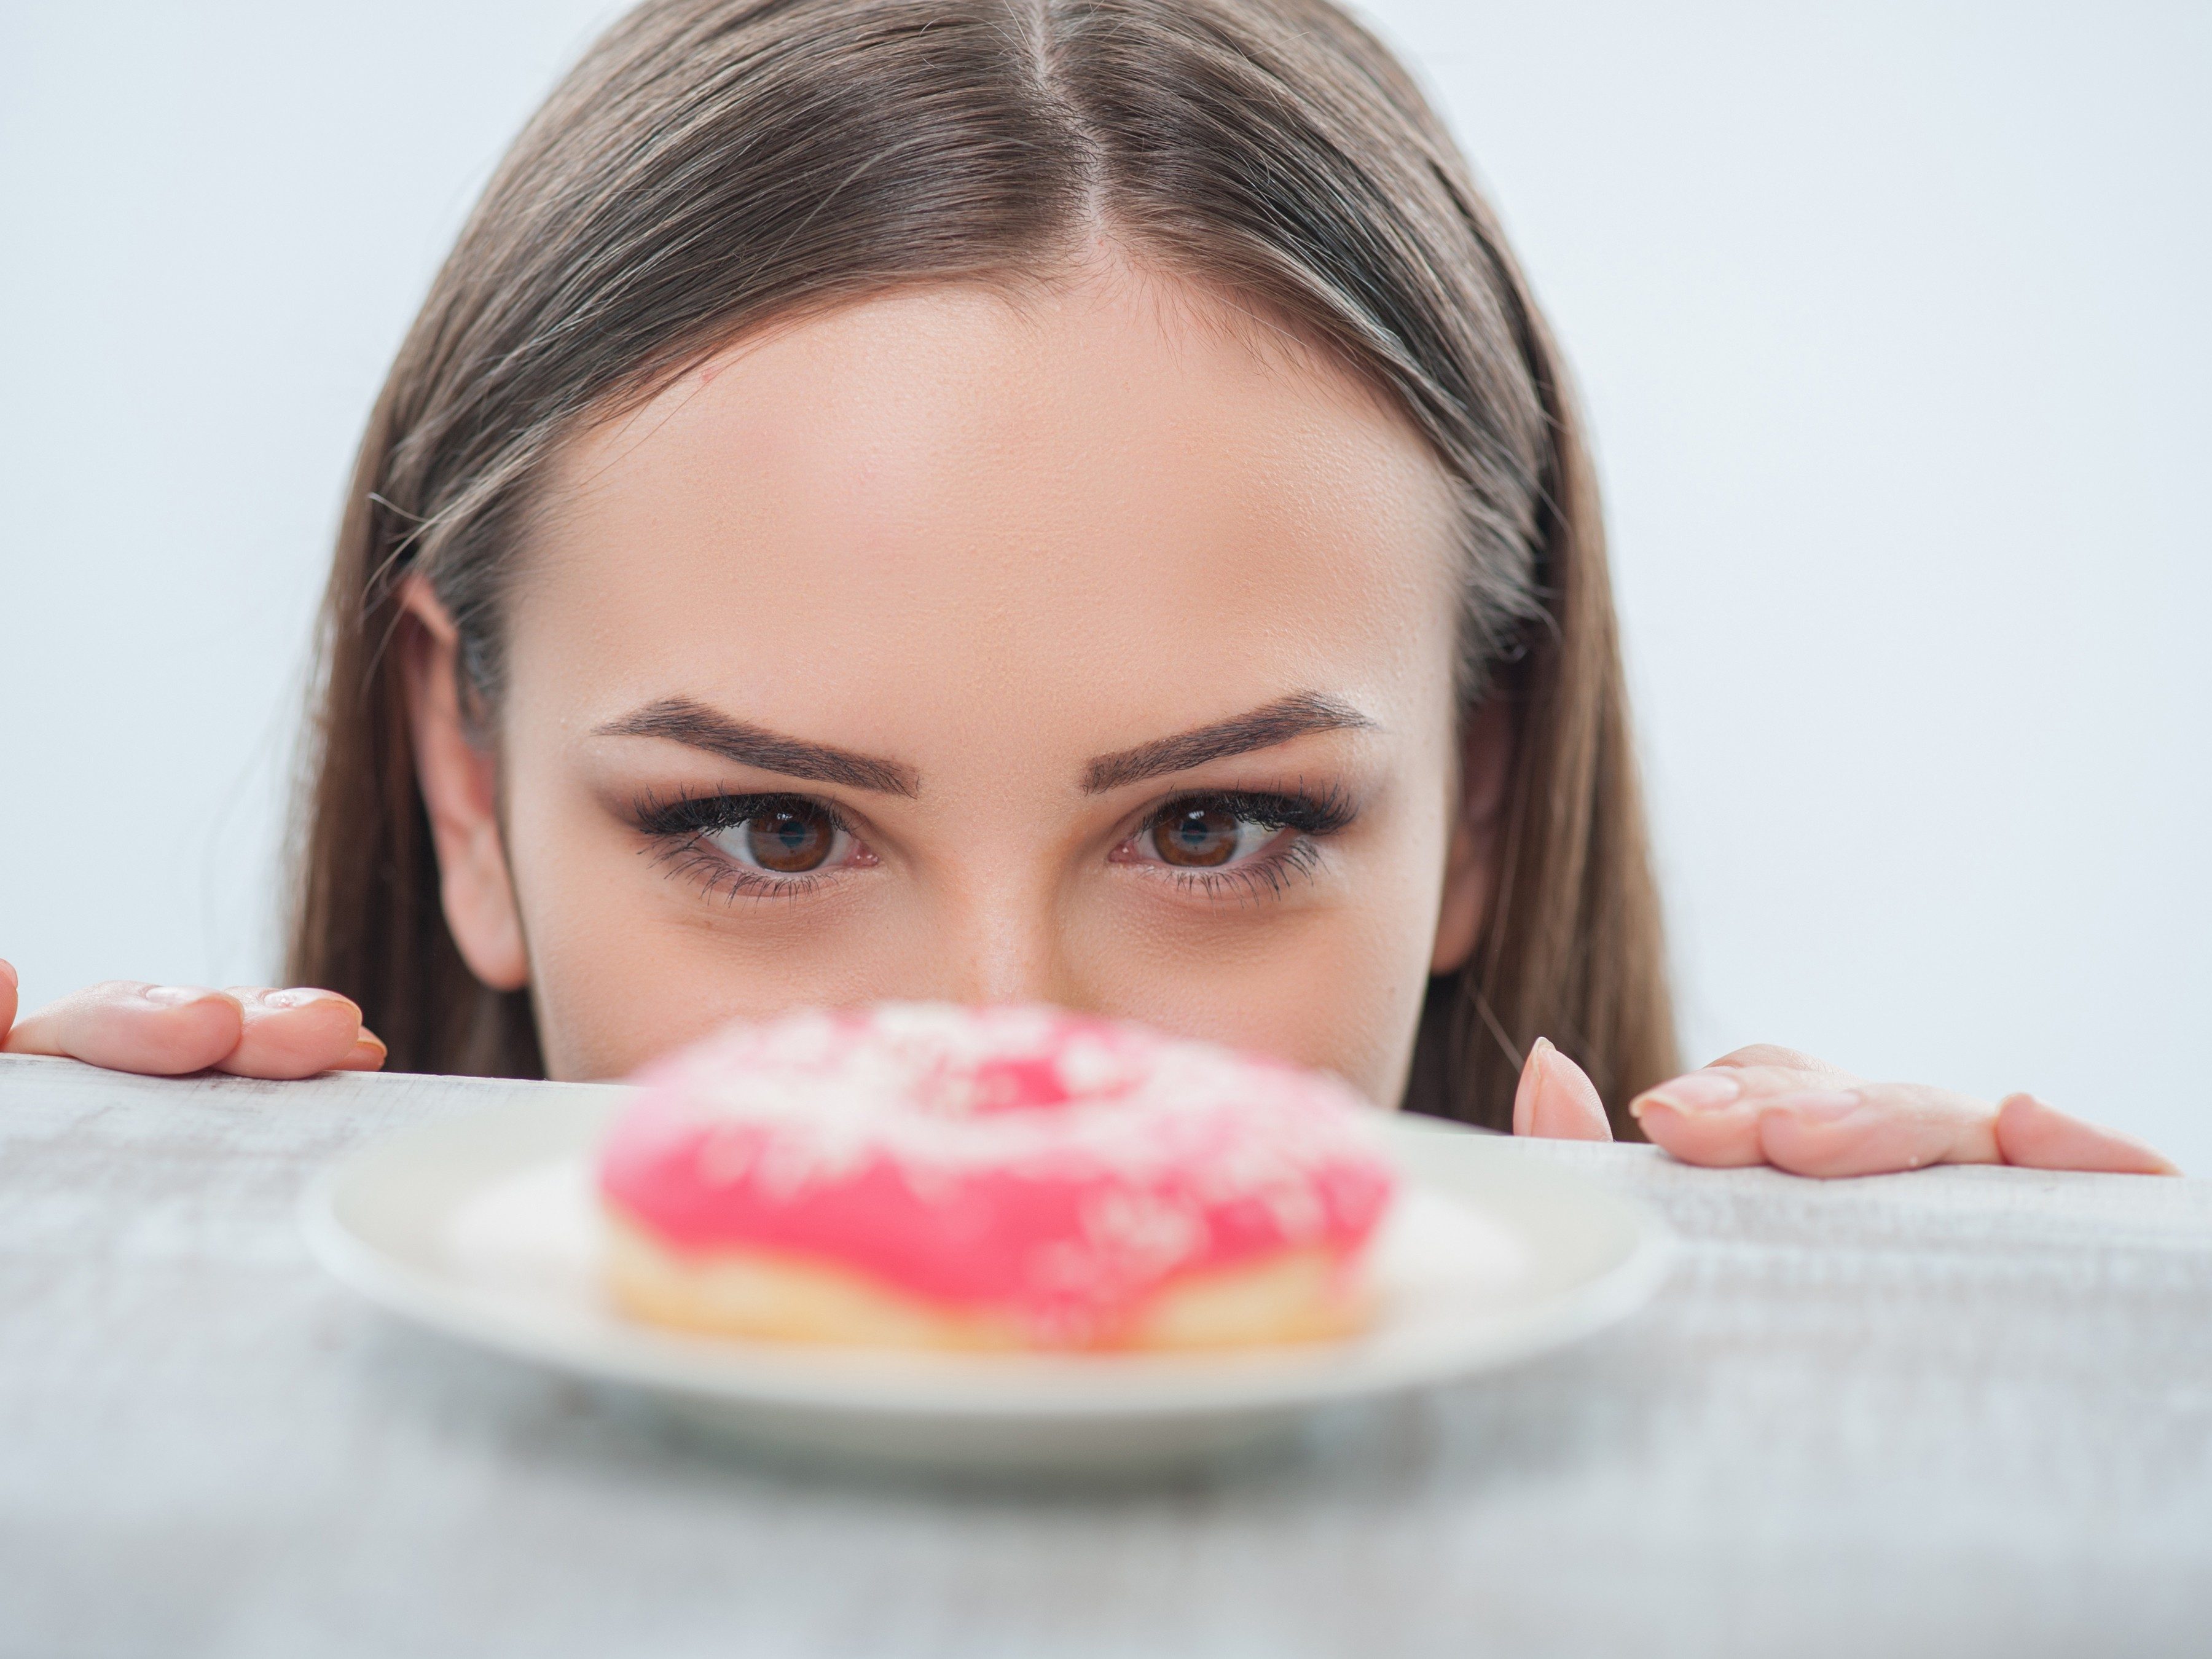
(917, 1175)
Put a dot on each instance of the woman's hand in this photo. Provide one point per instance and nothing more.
(1768, 1105)
(165, 1030)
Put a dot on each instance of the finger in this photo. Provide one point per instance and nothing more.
(292, 1033)
(1711, 1117)
(367, 1056)
(1769, 1056)
(160, 1029)
(9, 983)
(1704, 1117)
(1556, 1100)
(1876, 1128)
(2036, 1136)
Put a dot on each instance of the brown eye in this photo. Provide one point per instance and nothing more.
(1197, 834)
(789, 840)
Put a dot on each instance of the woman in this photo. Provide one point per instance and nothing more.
(998, 501)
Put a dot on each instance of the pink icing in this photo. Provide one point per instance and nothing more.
(1058, 1168)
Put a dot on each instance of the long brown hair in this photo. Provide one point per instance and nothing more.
(712, 163)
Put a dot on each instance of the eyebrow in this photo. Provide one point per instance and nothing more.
(694, 723)
(1286, 718)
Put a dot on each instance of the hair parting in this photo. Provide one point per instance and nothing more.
(712, 166)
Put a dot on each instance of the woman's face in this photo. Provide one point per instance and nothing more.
(1092, 647)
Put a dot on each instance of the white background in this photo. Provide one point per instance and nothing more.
(1890, 319)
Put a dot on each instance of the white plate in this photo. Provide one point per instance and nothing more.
(483, 1227)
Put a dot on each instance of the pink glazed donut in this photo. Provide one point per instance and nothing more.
(918, 1175)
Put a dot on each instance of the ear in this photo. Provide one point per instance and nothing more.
(460, 789)
(1471, 861)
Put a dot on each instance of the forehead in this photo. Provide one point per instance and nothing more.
(1116, 494)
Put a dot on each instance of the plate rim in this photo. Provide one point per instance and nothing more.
(912, 1386)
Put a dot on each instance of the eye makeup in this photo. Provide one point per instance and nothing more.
(1211, 843)
(742, 845)
(1234, 842)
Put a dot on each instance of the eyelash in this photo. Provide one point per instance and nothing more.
(679, 829)
(1314, 815)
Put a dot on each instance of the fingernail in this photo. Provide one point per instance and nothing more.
(1695, 1091)
(1818, 1105)
(173, 996)
(8, 973)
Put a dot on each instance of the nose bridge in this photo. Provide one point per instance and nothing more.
(1003, 941)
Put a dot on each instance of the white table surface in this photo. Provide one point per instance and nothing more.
(1960, 1412)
